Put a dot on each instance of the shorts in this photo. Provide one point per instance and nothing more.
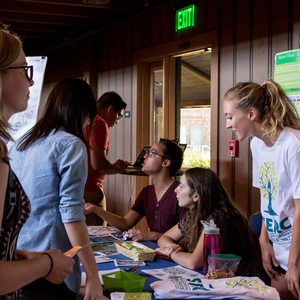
(279, 270)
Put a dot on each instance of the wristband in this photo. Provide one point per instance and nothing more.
(51, 263)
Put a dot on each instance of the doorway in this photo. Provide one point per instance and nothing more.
(172, 84)
(161, 102)
(192, 105)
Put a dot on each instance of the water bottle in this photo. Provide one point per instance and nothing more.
(211, 243)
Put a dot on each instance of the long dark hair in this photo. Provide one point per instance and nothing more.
(213, 198)
(69, 105)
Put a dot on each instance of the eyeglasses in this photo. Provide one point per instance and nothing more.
(28, 71)
(151, 153)
(120, 116)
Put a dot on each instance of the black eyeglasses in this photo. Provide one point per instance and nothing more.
(28, 71)
(151, 153)
(120, 116)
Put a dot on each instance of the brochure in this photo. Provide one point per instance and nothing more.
(133, 296)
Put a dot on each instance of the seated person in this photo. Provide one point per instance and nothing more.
(202, 192)
(157, 202)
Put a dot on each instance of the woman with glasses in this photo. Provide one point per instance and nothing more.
(157, 202)
(18, 268)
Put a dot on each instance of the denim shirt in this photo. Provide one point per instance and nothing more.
(53, 173)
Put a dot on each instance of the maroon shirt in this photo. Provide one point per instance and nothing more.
(162, 215)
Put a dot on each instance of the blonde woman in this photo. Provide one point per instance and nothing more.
(264, 112)
(21, 268)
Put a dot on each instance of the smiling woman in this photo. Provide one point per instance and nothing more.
(266, 113)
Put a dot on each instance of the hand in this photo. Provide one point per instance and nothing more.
(268, 257)
(168, 250)
(137, 234)
(88, 208)
(93, 289)
(62, 266)
(121, 165)
(292, 278)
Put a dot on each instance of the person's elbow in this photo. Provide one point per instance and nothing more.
(194, 264)
(100, 168)
(161, 240)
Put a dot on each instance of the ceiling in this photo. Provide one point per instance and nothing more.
(45, 25)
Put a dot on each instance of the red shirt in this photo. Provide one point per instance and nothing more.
(99, 139)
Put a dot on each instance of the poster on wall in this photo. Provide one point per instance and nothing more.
(287, 74)
(23, 121)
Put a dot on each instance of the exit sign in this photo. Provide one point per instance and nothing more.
(185, 17)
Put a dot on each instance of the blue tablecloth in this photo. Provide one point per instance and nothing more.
(157, 263)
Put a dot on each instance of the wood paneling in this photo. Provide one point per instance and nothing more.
(250, 32)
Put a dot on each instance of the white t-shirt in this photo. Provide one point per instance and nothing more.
(276, 172)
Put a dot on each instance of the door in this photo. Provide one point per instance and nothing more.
(177, 92)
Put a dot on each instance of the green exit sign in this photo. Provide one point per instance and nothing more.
(185, 17)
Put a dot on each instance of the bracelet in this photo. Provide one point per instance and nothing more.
(51, 263)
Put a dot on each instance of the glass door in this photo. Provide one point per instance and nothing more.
(193, 106)
(156, 102)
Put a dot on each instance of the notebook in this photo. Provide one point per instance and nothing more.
(140, 159)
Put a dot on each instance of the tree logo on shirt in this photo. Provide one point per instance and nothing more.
(268, 184)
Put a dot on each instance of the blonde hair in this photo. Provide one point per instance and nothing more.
(10, 48)
(276, 109)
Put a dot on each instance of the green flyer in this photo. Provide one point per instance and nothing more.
(287, 74)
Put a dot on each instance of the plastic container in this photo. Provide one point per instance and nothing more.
(122, 281)
(211, 243)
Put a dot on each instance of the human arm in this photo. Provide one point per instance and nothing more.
(142, 235)
(267, 251)
(191, 260)
(292, 275)
(78, 235)
(100, 163)
(121, 223)
(168, 242)
(16, 274)
(73, 175)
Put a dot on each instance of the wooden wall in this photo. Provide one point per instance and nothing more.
(250, 33)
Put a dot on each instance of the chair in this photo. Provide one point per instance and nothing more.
(255, 223)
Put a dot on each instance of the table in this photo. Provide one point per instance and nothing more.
(157, 263)
(139, 172)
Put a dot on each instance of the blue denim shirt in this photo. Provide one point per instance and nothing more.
(53, 173)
